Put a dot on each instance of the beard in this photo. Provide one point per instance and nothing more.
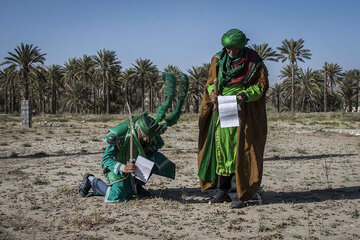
(231, 56)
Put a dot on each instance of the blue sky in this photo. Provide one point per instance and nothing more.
(183, 33)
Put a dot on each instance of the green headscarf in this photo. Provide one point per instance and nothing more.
(234, 38)
(149, 126)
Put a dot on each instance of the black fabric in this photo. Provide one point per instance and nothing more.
(228, 184)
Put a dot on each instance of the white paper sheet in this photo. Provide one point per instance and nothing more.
(143, 168)
(228, 111)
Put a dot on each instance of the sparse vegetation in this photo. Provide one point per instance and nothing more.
(39, 180)
(44, 179)
(327, 169)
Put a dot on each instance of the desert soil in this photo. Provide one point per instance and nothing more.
(310, 187)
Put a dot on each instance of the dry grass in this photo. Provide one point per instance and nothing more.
(310, 183)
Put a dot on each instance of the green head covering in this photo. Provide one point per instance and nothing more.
(234, 38)
(149, 126)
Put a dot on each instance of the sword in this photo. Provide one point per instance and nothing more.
(131, 160)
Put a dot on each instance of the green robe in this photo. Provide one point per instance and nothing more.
(226, 138)
(251, 135)
(118, 153)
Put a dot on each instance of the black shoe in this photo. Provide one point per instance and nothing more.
(220, 197)
(142, 192)
(237, 203)
(85, 185)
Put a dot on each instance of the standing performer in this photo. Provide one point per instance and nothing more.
(232, 158)
(146, 131)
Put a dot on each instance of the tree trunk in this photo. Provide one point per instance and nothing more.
(325, 89)
(331, 83)
(39, 105)
(129, 96)
(151, 101)
(278, 102)
(94, 100)
(196, 105)
(104, 94)
(53, 98)
(108, 99)
(303, 105)
(26, 87)
(350, 105)
(12, 99)
(187, 104)
(6, 99)
(292, 87)
(143, 93)
(357, 98)
(44, 103)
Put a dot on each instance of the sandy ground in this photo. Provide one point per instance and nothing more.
(310, 189)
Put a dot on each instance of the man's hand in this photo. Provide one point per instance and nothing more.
(213, 96)
(241, 97)
(129, 168)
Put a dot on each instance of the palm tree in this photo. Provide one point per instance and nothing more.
(106, 65)
(71, 68)
(285, 74)
(75, 97)
(197, 78)
(347, 90)
(309, 89)
(85, 73)
(325, 87)
(55, 74)
(41, 91)
(129, 82)
(9, 81)
(3, 85)
(275, 94)
(25, 59)
(293, 51)
(205, 68)
(152, 83)
(265, 52)
(334, 71)
(354, 75)
(173, 69)
(144, 70)
(113, 89)
(127, 79)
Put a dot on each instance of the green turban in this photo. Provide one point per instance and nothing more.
(149, 126)
(234, 38)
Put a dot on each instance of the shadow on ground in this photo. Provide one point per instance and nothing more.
(317, 195)
(45, 155)
(310, 157)
(194, 195)
(183, 195)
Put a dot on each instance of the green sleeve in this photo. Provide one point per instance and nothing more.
(109, 161)
(211, 88)
(253, 93)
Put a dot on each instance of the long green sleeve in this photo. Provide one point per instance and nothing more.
(109, 161)
(253, 92)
